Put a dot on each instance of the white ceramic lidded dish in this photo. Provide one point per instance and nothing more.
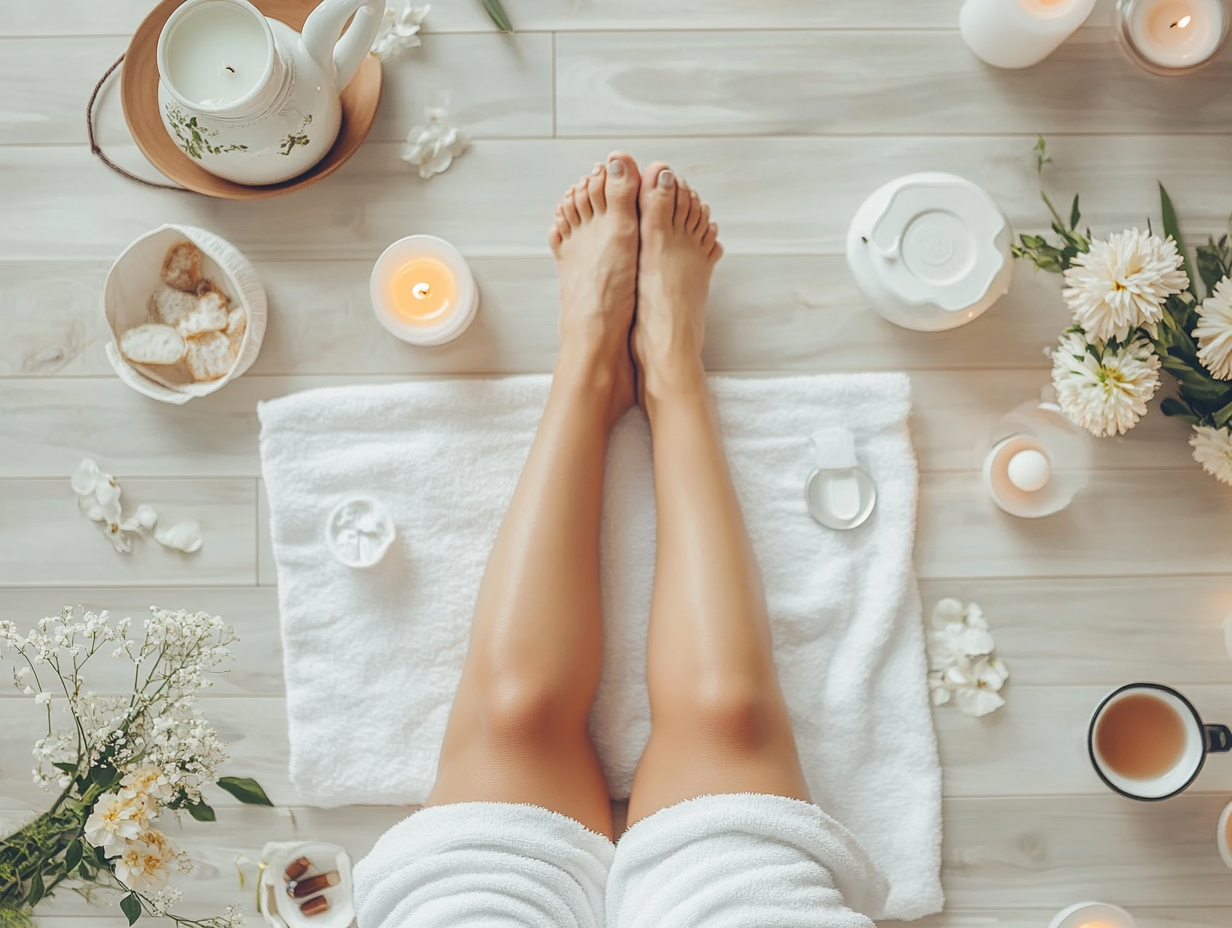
(279, 910)
(930, 251)
(403, 252)
(135, 275)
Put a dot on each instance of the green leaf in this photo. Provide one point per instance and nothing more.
(105, 776)
(72, 855)
(200, 811)
(67, 768)
(100, 856)
(1175, 409)
(130, 905)
(36, 888)
(1172, 228)
(1222, 416)
(1074, 214)
(246, 790)
(498, 15)
(1210, 265)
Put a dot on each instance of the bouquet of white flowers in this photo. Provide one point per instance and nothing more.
(1136, 310)
(126, 761)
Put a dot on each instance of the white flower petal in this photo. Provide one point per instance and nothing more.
(85, 477)
(1212, 448)
(977, 702)
(1214, 331)
(183, 536)
(946, 611)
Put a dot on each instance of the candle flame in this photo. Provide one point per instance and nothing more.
(1182, 22)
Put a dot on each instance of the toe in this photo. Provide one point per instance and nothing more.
(693, 220)
(716, 252)
(569, 208)
(555, 239)
(710, 239)
(581, 198)
(658, 193)
(621, 183)
(563, 226)
(683, 195)
(594, 189)
(703, 220)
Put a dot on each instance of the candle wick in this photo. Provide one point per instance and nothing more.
(232, 70)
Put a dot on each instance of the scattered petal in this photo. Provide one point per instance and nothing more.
(432, 147)
(399, 29)
(183, 536)
(85, 477)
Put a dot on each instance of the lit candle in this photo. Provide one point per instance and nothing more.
(1020, 33)
(1029, 470)
(1171, 36)
(422, 291)
(1093, 915)
(216, 54)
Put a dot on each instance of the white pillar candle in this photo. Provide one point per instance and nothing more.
(218, 54)
(1173, 35)
(1020, 33)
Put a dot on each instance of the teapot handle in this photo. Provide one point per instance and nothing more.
(337, 53)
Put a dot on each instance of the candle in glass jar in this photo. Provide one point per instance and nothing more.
(423, 291)
(217, 54)
(1020, 33)
(1173, 34)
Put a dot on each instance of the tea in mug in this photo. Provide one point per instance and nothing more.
(1141, 737)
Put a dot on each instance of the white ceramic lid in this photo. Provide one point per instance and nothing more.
(937, 241)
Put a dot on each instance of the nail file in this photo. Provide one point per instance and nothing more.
(836, 452)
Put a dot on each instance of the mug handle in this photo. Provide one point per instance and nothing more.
(1218, 739)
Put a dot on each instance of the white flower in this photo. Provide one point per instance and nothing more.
(147, 785)
(111, 825)
(142, 866)
(143, 520)
(1104, 389)
(957, 633)
(399, 28)
(1212, 448)
(43, 699)
(98, 495)
(974, 685)
(961, 660)
(1121, 284)
(183, 536)
(1214, 331)
(432, 147)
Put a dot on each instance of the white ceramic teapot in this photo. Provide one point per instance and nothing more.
(249, 98)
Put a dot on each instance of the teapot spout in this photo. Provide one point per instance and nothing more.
(339, 55)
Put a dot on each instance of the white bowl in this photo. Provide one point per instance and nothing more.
(135, 275)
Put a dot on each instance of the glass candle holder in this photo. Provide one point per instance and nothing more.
(1171, 37)
(1037, 461)
(423, 291)
(1093, 915)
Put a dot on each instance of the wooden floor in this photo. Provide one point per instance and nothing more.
(784, 114)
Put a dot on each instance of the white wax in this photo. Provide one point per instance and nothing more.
(1020, 33)
(1029, 470)
(217, 54)
(1177, 33)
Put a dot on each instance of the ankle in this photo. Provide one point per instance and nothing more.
(679, 378)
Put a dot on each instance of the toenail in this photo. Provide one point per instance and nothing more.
(598, 167)
(666, 178)
(615, 167)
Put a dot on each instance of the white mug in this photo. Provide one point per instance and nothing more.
(1194, 740)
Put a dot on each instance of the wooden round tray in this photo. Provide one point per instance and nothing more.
(139, 94)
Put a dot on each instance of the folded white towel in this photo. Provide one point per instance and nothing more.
(738, 860)
(386, 645)
(489, 864)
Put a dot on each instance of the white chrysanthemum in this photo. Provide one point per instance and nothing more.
(1214, 331)
(1121, 284)
(112, 823)
(1101, 389)
(1212, 448)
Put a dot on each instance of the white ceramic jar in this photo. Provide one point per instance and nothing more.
(249, 98)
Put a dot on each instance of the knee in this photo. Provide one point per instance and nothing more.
(743, 718)
(521, 712)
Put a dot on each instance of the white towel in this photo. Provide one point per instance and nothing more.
(489, 864)
(737, 860)
(373, 657)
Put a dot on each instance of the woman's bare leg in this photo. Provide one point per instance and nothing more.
(719, 721)
(517, 732)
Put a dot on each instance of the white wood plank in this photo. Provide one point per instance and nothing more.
(45, 541)
(48, 425)
(1126, 523)
(1107, 632)
(769, 196)
(267, 567)
(252, 612)
(80, 17)
(505, 91)
(766, 314)
(803, 82)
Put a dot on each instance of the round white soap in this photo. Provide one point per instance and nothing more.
(1029, 470)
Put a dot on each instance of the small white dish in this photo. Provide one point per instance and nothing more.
(1223, 837)
(360, 531)
(281, 911)
(1093, 915)
(393, 259)
(135, 275)
(931, 251)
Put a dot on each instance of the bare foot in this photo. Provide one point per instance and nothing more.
(595, 238)
(679, 249)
